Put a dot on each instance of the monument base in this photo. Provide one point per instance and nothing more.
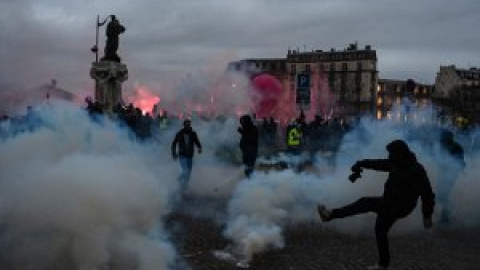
(108, 76)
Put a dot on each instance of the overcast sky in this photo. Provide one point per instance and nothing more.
(44, 39)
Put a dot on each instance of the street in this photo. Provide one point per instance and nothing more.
(310, 246)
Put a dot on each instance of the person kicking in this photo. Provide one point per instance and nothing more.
(407, 181)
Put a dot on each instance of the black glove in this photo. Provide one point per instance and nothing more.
(354, 176)
(357, 167)
(356, 172)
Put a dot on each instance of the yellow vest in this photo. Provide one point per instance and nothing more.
(294, 137)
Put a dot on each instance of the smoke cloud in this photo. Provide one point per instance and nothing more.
(261, 208)
(83, 194)
(80, 195)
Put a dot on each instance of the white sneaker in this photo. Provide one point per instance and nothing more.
(376, 267)
(324, 213)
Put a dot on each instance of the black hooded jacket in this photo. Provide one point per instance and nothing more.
(249, 138)
(185, 149)
(407, 181)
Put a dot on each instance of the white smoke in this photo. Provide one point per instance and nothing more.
(76, 194)
(81, 194)
(262, 207)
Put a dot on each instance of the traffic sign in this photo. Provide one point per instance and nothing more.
(303, 80)
(303, 88)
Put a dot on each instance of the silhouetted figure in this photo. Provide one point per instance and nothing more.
(316, 135)
(94, 109)
(264, 132)
(452, 164)
(407, 180)
(248, 143)
(186, 139)
(114, 29)
(271, 132)
(294, 138)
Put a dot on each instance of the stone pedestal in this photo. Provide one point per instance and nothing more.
(108, 76)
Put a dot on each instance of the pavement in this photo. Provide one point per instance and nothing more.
(312, 246)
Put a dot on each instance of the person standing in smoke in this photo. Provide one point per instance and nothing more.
(407, 181)
(454, 163)
(248, 143)
(186, 139)
(294, 141)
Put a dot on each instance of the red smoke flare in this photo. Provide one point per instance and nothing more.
(144, 99)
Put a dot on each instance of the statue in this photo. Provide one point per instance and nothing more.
(114, 29)
(109, 73)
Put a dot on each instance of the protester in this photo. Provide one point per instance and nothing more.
(407, 180)
(248, 143)
(294, 141)
(452, 164)
(186, 139)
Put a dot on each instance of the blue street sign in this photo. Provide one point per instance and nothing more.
(303, 80)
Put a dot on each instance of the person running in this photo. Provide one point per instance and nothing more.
(186, 139)
(407, 181)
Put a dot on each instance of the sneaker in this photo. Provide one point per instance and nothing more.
(325, 214)
(376, 267)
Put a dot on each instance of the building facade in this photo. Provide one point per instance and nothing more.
(451, 78)
(349, 75)
(391, 93)
(457, 91)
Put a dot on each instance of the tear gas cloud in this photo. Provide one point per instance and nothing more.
(82, 194)
(260, 209)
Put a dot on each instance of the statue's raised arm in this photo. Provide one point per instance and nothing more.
(114, 29)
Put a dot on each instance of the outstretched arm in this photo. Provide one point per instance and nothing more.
(373, 164)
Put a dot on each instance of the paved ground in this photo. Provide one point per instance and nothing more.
(309, 246)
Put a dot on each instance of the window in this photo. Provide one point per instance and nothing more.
(307, 68)
(320, 68)
(293, 69)
(344, 66)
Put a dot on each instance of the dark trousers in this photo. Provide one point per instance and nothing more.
(186, 163)
(249, 162)
(382, 225)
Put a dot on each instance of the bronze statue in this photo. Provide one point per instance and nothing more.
(114, 29)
